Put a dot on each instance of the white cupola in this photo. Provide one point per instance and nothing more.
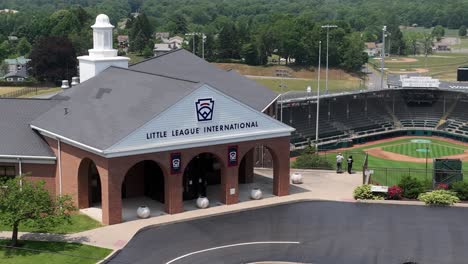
(103, 55)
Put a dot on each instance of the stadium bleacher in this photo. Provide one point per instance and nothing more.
(372, 112)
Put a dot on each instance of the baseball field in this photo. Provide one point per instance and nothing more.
(391, 159)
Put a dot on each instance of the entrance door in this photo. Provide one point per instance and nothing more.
(194, 181)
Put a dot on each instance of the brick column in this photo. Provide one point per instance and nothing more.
(281, 168)
(229, 181)
(249, 166)
(111, 184)
(173, 200)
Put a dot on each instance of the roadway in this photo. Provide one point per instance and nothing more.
(309, 232)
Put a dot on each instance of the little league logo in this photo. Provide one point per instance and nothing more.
(204, 109)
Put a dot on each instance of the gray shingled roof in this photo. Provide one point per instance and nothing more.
(183, 64)
(108, 107)
(16, 137)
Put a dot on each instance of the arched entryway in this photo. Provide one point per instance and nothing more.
(89, 184)
(143, 185)
(256, 157)
(145, 178)
(202, 177)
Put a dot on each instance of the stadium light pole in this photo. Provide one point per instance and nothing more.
(326, 70)
(382, 63)
(309, 90)
(318, 98)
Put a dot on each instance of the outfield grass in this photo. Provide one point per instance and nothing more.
(301, 85)
(79, 223)
(51, 253)
(418, 150)
(7, 89)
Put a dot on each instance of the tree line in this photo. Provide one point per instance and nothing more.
(237, 30)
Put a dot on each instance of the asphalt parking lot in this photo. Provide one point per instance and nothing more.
(309, 232)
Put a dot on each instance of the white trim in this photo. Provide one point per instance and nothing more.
(67, 140)
(27, 157)
(192, 144)
(28, 161)
(272, 102)
(59, 150)
(229, 246)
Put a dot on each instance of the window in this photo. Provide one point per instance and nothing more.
(9, 79)
(20, 79)
(7, 172)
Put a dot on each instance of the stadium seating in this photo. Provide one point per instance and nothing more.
(355, 115)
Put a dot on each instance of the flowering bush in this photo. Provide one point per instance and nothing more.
(442, 186)
(439, 197)
(395, 192)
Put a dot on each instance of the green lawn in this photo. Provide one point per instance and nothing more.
(51, 253)
(421, 150)
(301, 85)
(78, 223)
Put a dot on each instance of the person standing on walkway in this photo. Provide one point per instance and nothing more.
(339, 161)
(350, 164)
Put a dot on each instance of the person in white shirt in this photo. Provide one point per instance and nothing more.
(339, 162)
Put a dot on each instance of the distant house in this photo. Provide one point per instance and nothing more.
(17, 76)
(123, 41)
(8, 11)
(371, 49)
(439, 46)
(162, 48)
(161, 35)
(177, 41)
(17, 64)
(12, 38)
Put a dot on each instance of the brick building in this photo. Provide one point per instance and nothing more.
(164, 128)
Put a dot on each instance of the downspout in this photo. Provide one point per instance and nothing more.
(20, 171)
(59, 165)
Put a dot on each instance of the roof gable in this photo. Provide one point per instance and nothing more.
(190, 123)
(183, 64)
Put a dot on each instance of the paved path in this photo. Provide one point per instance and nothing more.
(309, 232)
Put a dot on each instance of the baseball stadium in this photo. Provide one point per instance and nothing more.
(392, 132)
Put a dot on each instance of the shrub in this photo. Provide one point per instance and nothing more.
(310, 161)
(461, 189)
(442, 186)
(439, 197)
(395, 193)
(364, 192)
(412, 187)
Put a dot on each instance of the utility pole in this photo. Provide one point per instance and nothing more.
(382, 63)
(318, 99)
(326, 71)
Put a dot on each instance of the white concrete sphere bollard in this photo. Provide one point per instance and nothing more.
(296, 178)
(256, 194)
(143, 211)
(203, 202)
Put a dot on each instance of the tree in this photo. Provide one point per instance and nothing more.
(23, 47)
(250, 54)
(462, 31)
(53, 59)
(438, 32)
(140, 33)
(23, 200)
(179, 24)
(354, 56)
